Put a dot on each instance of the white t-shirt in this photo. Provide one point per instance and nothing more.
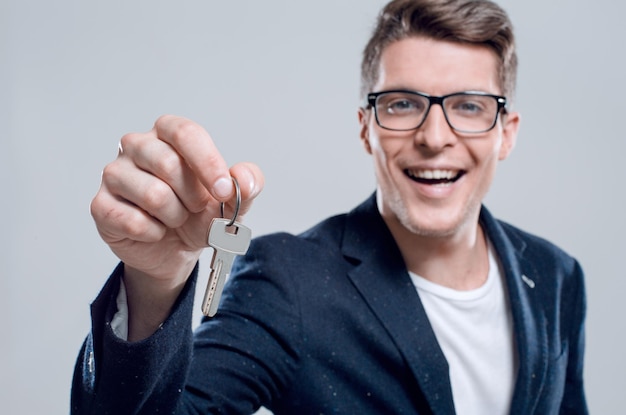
(474, 329)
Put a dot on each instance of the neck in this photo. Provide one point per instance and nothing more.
(459, 261)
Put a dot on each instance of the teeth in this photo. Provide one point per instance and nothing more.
(434, 174)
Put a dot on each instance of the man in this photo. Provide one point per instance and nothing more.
(417, 301)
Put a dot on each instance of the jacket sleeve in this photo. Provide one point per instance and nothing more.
(235, 362)
(113, 376)
(574, 401)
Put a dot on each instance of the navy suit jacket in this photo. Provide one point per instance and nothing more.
(329, 322)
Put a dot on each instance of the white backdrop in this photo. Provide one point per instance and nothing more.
(276, 82)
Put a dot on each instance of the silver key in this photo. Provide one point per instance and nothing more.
(228, 239)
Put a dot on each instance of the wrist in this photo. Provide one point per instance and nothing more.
(150, 301)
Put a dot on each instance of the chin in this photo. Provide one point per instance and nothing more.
(435, 222)
(426, 220)
(430, 230)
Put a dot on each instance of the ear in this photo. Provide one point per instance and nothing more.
(364, 118)
(511, 122)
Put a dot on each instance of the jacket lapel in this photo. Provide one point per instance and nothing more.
(384, 283)
(528, 319)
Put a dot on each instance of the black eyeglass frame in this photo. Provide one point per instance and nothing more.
(433, 99)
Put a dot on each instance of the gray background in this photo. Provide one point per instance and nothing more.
(275, 82)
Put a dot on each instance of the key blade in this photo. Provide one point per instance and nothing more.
(209, 307)
(221, 266)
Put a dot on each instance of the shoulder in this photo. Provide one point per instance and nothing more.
(531, 248)
(540, 249)
(553, 275)
(324, 236)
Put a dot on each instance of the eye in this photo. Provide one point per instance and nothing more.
(469, 105)
(400, 104)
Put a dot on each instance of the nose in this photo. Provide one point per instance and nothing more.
(435, 133)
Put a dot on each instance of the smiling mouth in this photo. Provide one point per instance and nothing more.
(434, 177)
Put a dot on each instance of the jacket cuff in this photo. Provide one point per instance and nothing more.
(106, 344)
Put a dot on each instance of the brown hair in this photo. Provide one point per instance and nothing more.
(478, 22)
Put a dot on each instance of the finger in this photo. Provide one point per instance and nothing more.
(196, 147)
(144, 190)
(160, 159)
(251, 182)
(118, 220)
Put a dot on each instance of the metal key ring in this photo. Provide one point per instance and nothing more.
(237, 203)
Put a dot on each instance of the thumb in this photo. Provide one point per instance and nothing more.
(251, 182)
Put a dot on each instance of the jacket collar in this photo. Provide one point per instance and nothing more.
(382, 279)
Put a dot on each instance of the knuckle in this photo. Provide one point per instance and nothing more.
(115, 221)
(135, 226)
(106, 214)
(96, 207)
(129, 141)
(156, 196)
(185, 131)
(111, 173)
(162, 120)
(214, 158)
(169, 166)
(179, 220)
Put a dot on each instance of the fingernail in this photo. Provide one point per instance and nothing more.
(223, 187)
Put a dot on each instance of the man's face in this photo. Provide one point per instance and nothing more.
(432, 180)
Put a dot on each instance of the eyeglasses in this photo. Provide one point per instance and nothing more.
(465, 112)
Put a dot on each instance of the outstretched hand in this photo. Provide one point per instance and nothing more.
(157, 200)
